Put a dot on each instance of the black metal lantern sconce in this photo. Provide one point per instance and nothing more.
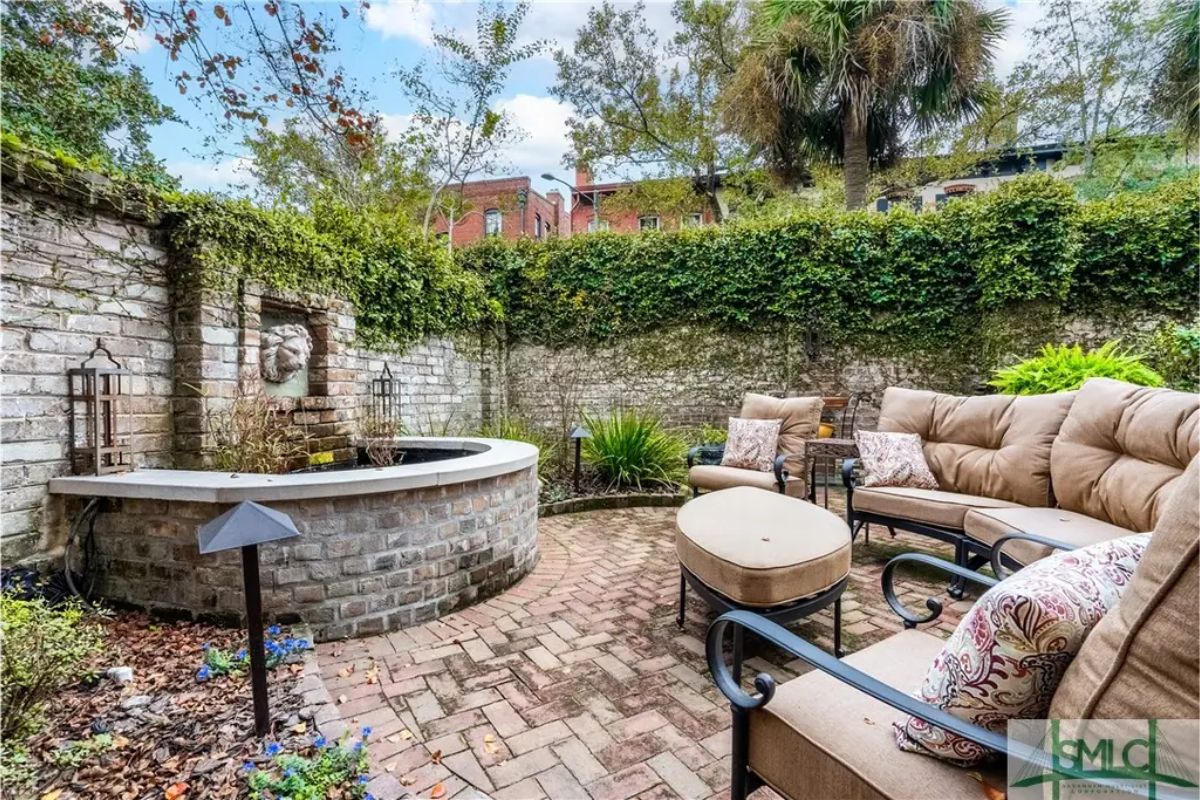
(385, 398)
(98, 392)
(577, 435)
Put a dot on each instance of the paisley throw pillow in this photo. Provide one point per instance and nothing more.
(893, 459)
(752, 444)
(1006, 657)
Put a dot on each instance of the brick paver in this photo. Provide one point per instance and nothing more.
(577, 682)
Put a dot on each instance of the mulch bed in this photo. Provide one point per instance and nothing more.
(172, 736)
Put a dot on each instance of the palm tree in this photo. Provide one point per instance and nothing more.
(1177, 85)
(846, 80)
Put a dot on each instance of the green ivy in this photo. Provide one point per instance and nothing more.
(899, 282)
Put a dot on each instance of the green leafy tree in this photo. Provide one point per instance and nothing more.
(1088, 75)
(629, 111)
(847, 80)
(1177, 82)
(454, 115)
(68, 88)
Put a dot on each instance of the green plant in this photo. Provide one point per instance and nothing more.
(278, 649)
(631, 448)
(327, 769)
(1174, 352)
(522, 430)
(707, 434)
(74, 753)
(42, 649)
(1064, 368)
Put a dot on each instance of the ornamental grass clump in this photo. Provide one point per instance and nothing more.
(1064, 368)
(632, 449)
(42, 650)
(521, 430)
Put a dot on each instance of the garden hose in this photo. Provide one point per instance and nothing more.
(89, 513)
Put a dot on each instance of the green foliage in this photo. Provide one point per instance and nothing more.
(319, 772)
(632, 449)
(277, 648)
(897, 282)
(522, 430)
(42, 649)
(17, 771)
(1174, 352)
(67, 88)
(74, 753)
(403, 286)
(1064, 368)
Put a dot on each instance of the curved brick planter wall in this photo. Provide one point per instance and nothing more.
(364, 564)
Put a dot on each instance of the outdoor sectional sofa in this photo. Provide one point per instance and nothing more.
(1020, 475)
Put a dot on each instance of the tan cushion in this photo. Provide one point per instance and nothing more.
(996, 446)
(931, 506)
(989, 524)
(760, 548)
(1143, 659)
(800, 421)
(820, 738)
(711, 477)
(1120, 450)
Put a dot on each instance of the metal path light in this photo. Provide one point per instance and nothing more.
(577, 435)
(246, 526)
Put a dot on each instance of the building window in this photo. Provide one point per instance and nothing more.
(693, 220)
(491, 222)
(597, 225)
(537, 226)
(648, 223)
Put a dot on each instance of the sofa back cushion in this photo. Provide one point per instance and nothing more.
(800, 419)
(996, 446)
(1143, 659)
(1122, 449)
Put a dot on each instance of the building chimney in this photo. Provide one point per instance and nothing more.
(583, 175)
(556, 199)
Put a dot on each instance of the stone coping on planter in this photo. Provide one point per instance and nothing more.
(489, 458)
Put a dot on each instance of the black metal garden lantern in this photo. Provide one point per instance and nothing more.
(385, 399)
(98, 391)
(577, 435)
(246, 526)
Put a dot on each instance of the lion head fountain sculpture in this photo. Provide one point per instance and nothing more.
(284, 351)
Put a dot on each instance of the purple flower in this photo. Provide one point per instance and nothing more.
(274, 630)
(363, 779)
(203, 674)
(319, 741)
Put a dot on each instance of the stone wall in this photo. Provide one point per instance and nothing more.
(363, 564)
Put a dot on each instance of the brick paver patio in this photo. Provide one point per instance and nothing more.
(577, 681)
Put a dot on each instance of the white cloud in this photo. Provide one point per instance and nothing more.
(544, 121)
(1022, 18)
(402, 19)
(231, 175)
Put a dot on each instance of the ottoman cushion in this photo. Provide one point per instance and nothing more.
(760, 548)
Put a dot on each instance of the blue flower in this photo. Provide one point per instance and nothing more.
(369, 796)
(358, 745)
(363, 779)
(303, 644)
(274, 630)
(319, 741)
(289, 772)
(366, 731)
(273, 748)
(203, 674)
(240, 655)
(205, 646)
(248, 767)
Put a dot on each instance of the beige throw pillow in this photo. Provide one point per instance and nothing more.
(893, 459)
(751, 444)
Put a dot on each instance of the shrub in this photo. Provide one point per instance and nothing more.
(1064, 368)
(327, 769)
(1174, 352)
(42, 649)
(521, 430)
(631, 448)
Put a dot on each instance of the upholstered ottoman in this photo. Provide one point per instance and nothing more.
(747, 548)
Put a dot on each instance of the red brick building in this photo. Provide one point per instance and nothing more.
(506, 207)
(588, 212)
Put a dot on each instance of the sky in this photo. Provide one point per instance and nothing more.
(399, 33)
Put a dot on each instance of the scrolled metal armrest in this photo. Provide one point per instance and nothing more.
(848, 479)
(781, 474)
(998, 548)
(911, 620)
(694, 452)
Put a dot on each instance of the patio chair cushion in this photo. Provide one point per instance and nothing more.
(893, 459)
(800, 420)
(996, 446)
(819, 737)
(987, 525)
(1143, 659)
(1008, 654)
(752, 444)
(711, 477)
(1121, 449)
(930, 506)
(760, 548)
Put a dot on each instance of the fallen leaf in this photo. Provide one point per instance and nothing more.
(437, 791)
(299, 727)
(341, 699)
(120, 741)
(488, 738)
(407, 780)
(297, 669)
(391, 767)
(993, 793)
(405, 734)
(345, 672)
(491, 748)
(176, 790)
(868, 720)
(52, 794)
(436, 758)
(395, 737)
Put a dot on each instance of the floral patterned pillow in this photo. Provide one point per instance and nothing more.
(752, 443)
(1006, 657)
(893, 459)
